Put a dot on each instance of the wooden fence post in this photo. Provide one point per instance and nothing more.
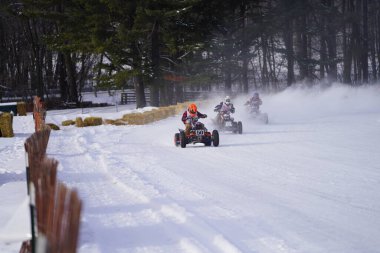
(39, 113)
(54, 208)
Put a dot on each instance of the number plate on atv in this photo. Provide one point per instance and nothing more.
(199, 132)
(228, 123)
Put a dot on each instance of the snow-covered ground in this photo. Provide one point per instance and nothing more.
(307, 182)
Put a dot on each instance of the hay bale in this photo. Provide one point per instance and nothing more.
(6, 127)
(171, 111)
(21, 108)
(53, 126)
(79, 122)
(164, 112)
(109, 121)
(148, 116)
(119, 122)
(180, 107)
(93, 121)
(68, 122)
(157, 115)
(134, 119)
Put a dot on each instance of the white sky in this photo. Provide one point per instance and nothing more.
(306, 182)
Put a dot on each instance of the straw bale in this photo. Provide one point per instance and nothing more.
(171, 110)
(93, 121)
(149, 116)
(158, 115)
(134, 119)
(79, 122)
(53, 126)
(21, 108)
(119, 122)
(109, 121)
(68, 122)
(6, 128)
(180, 107)
(129, 116)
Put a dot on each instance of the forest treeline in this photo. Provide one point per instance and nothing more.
(164, 45)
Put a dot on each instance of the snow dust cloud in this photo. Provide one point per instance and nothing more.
(298, 104)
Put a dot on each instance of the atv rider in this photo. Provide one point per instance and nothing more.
(190, 118)
(225, 107)
(254, 103)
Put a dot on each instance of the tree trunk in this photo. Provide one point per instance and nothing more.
(347, 46)
(227, 63)
(288, 38)
(154, 87)
(331, 42)
(378, 39)
(245, 50)
(264, 73)
(62, 77)
(323, 56)
(364, 60)
(71, 78)
(139, 90)
(302, 47)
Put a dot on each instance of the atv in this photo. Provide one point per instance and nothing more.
(226, 122)
(258, 116)
(198, 134)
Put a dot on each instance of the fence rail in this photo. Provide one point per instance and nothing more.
(128, 97)
(55, 209)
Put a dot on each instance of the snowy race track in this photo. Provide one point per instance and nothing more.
(307, 182)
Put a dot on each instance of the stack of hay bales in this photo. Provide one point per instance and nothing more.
(79, 122)
(115, 122)
(149, 116)
(154, 115)
(93, 121)
(132, 118)
(68, 122)
(21, 108)
(6, 128)
(89, 121)
(109, 121)
(53, 126)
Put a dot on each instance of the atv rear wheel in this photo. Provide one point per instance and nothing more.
(234, 127)
(215, 138)
(182, 139)
(266, 119)
(176, 139)
(240, 127)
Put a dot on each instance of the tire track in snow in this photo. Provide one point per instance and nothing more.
(159, 207)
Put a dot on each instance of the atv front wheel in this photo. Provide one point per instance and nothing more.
(240, 127)
(215, 138)
(182, 139)
(176, 139)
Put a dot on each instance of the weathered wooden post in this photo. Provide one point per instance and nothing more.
(39, 113)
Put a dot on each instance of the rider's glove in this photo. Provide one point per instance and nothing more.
(205, 115)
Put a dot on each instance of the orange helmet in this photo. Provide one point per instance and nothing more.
(192, 109)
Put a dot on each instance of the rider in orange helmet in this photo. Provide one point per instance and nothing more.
(191, 116)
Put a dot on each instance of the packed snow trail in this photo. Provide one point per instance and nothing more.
(285, 187)
(307, 182)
